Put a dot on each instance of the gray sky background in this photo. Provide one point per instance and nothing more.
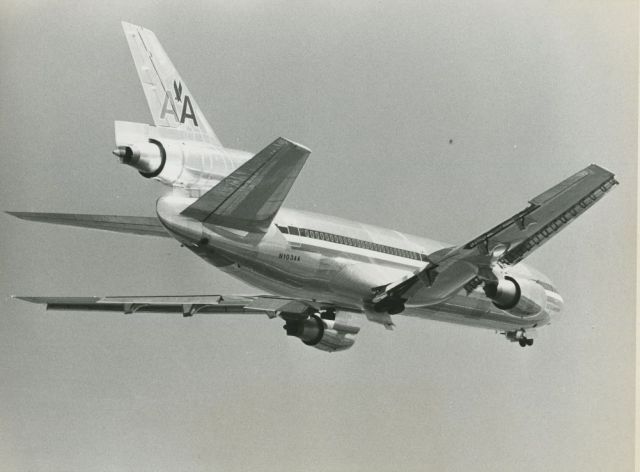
(529, 91)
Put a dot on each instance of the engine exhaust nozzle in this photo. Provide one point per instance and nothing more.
(148, 158)
(123, 153)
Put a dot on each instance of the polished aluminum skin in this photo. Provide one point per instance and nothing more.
(318, 271)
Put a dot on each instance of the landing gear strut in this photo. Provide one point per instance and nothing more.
(519, 336)
(390, 305)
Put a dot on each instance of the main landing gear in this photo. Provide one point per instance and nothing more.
(520, 337)
(524, 342)
(390, 305)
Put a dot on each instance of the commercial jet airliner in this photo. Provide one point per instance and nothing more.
(317, 271)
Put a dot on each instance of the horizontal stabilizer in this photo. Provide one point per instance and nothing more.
(142, 225)
(249, 198)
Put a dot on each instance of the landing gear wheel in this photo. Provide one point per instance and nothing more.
(529, 342)
(395, 309)
(523, 342)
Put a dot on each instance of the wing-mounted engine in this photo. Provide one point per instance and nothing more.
(322, 333)
(519, 297)
(171, 157)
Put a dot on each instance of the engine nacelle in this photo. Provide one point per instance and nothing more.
(149, 158)
(180, 164)
(173, 157)
(326, 335)
(518, 297)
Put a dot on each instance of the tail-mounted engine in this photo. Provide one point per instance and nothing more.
(149, 158)
(172, 157)
(518, 297)
(323, 334)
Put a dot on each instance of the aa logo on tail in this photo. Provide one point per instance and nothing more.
(169, 106)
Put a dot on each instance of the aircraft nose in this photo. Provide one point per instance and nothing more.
(554, 303)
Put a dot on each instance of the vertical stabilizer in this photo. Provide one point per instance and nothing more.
(170, 102)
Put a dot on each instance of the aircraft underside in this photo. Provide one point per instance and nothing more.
(319, 271)
(472, 309)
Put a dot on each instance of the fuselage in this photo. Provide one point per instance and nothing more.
(225, 206)
(318, 257)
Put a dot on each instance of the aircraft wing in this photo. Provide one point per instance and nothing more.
(188, 305)
(144, 225)
(249, 198)
(451, 269)
(547, 214)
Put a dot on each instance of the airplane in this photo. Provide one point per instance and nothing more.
(319, 273)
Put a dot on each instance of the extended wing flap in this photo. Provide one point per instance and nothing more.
(547, 214)
(249, 198)
(186, 304)
(142, 225)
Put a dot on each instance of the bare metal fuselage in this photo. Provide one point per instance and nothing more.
(227, 207)
(317, 257)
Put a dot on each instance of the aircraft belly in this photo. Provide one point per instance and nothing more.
(279, 270)
(284, 287)
(301, 272)
(477, 312)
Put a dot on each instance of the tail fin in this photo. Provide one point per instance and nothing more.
(170, 102)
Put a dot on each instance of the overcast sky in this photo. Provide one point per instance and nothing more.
(528, 91)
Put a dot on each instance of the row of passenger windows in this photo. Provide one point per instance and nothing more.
(338, 239)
